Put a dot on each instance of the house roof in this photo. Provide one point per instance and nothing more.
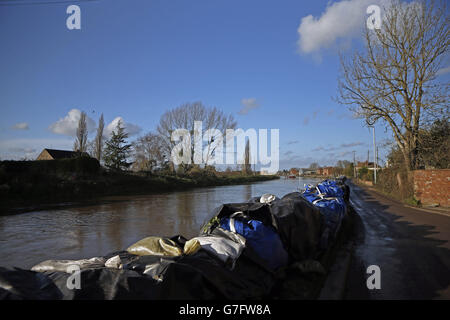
(364, 164)
(64, 154)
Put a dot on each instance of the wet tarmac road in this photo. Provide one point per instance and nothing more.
(411, 247)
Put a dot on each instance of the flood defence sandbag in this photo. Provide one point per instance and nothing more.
(299, 225)
(297, 222)
(158, 268)
(227, 249)
(264, 240)
(329, 197)
(251, 210)
(20, 284)
(203, 276)
(107, 284)
(333, 211)
(155, 246)
(65, 265)
(197, 276)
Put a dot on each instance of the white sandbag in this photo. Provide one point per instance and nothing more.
(114, 263)
(223, 248)
(63, 265)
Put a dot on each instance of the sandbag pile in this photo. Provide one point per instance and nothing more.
(331, 198)
(237, 255)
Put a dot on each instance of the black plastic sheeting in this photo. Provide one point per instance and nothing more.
(197, 276)
(299, 224)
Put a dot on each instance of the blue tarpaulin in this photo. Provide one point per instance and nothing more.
(328, 196)
(263, 239)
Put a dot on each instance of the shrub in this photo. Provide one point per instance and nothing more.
(81, 165)
(396, 182)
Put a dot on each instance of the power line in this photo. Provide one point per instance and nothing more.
(4, 3)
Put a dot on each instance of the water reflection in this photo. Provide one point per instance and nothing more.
(117, 222)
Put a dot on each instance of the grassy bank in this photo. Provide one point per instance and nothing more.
(34, 183)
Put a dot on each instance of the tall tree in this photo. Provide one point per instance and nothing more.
(98, 142)
(184, 116)
(80, 144)
(395, 80)
(117, 150)
(247, 166)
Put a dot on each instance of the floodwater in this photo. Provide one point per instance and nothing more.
(114, 223)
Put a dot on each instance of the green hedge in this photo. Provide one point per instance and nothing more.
(80, 165)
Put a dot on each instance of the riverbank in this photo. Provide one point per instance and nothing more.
(24, 186)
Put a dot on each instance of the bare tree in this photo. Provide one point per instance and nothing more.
(184, 116)
(148, 152)
(90, 148)
(80, 144)
(98, 142)
(395, 80)
(314, 166)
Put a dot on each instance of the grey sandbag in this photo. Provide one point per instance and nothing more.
(299, 224)
(227, 246)
(108, 284)
(64, 265)
(19, 284)
(155, 246)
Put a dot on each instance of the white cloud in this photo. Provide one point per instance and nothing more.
(342, 146)
(248, 104)
(69, 124)
(21, 126)
(342, 20)
(130, 128)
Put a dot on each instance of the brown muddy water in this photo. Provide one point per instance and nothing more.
(114, 223)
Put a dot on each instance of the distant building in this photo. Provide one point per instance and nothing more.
(309, 172)
(52, 154)
(365, 164)
(327, 171)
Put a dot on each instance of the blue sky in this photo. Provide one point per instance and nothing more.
(136, 59)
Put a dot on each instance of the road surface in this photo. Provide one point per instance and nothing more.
(411, 247)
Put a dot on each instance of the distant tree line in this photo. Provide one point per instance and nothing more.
(152, 151)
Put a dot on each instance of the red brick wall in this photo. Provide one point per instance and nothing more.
(432, 186)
